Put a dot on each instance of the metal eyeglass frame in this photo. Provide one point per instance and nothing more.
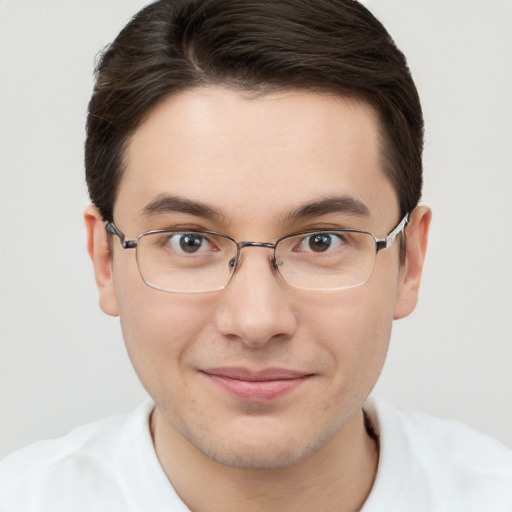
(380, 244)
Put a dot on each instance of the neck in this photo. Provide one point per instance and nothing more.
(338, 477)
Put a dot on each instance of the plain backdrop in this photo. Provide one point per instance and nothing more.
(62, 361)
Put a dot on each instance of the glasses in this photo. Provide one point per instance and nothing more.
(205, 261)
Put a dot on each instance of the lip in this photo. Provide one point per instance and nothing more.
(256, 386)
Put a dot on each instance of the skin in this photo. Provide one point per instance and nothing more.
(255, 160)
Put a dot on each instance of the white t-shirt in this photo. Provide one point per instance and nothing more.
(425, 465)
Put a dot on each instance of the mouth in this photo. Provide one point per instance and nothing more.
(256, 386)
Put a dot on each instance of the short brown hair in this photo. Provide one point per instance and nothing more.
(334, 46)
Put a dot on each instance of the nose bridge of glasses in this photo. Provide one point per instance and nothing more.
(263, 245)
(266, 245)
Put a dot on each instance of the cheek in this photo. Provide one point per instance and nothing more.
(353, 328)
(159, 328)
(371, 313)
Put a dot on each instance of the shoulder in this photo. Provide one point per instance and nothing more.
(99, 461)
(446, 464)
(85, 440)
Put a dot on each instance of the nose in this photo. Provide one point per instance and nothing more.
(256, 306)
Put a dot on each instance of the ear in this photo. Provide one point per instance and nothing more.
(98, 248)
(410, 275)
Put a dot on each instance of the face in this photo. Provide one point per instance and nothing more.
(259, 374)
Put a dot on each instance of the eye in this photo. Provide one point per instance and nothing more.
(321, 242)
(189, 243)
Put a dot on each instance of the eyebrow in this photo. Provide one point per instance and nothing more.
(165, 203)
(344, 204)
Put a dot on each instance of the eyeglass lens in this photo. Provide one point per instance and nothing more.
(194, 262)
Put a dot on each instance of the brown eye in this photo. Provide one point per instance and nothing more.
(321, 242)
(189, 243)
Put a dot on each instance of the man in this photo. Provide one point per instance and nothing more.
(255, 172)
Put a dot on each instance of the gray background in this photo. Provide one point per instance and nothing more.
(62, 361)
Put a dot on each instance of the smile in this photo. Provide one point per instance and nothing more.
(256, 386)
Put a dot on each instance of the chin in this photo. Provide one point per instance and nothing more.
(259, 451)
(244, 457)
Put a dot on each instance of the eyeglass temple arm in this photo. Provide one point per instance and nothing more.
(125, 244)
(390, 238)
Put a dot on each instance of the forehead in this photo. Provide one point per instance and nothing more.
(255, 156)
